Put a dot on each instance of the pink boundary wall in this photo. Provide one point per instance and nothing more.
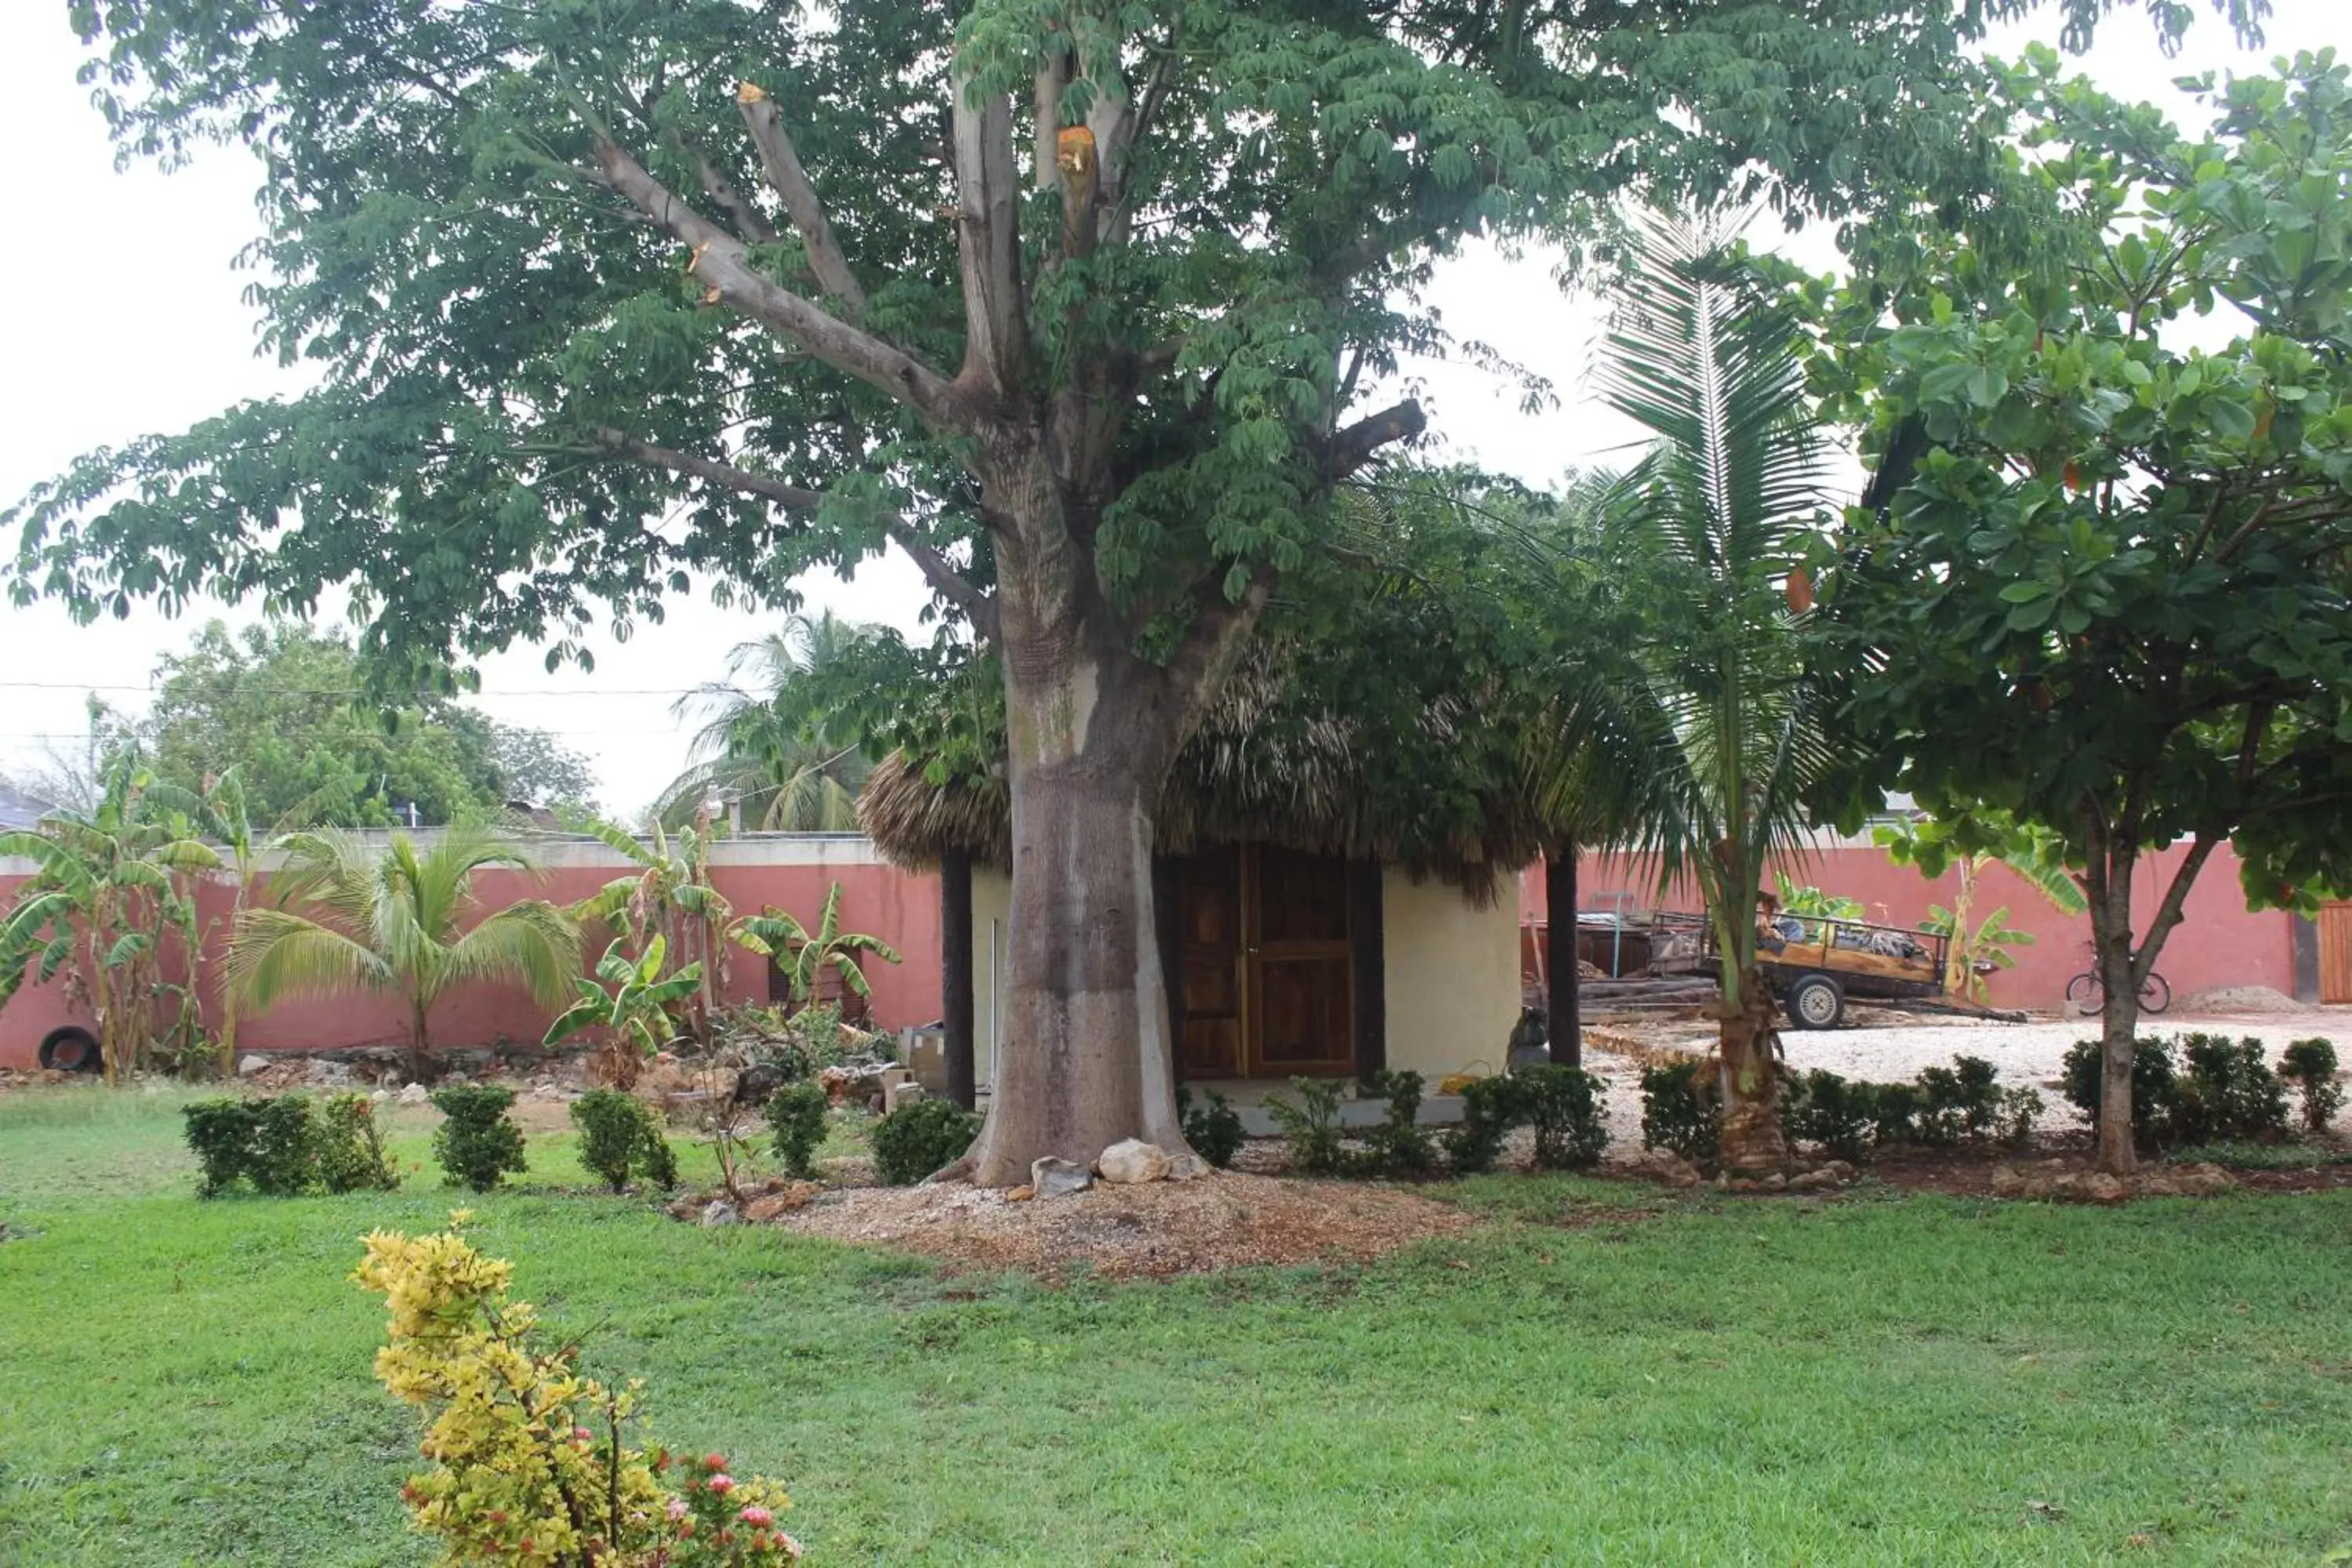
(790, 871)
(2219, 942)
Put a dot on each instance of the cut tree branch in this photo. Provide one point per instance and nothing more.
(1351, 448)
(790, 183)
(746, 218)
(988, 241)
(721, 262)
(1216, 641)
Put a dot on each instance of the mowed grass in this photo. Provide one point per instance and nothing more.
(1601, 1375)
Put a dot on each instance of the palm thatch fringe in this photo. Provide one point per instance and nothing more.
(1241, 779)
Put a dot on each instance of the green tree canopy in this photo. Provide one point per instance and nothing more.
(2107, 592)
(288, 708)
(1090, 305)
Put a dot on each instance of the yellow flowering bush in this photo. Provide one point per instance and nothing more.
(530, 1463)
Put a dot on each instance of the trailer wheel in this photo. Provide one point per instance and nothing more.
(1815, 1002)
(69, 1050)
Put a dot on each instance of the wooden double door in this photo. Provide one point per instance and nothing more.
(2336, 953)
(1262, 943)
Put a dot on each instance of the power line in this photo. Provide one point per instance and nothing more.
(358, 694)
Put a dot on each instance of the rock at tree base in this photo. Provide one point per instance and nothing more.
(1053, 1178)
(414, 1094)
(1189, 1168)
(1131, 1162)
(719, 1212)
(247, 1066)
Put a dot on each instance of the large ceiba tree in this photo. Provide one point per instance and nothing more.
(1082, 304)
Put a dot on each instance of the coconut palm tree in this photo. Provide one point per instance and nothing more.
(1693, 726)
(391, 919)
(763, 746)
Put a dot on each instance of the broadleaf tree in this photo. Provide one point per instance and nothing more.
(2108, 592)
(1088, 305)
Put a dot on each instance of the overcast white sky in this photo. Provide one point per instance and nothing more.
(122, 317)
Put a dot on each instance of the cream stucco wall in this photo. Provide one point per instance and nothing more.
(1453, 976)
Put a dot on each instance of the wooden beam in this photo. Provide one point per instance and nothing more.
(1168, 931)
(956, 1010)
(1368, 953)
(1565, 1023)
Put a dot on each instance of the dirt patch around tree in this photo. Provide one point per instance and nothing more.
(1229, 1220)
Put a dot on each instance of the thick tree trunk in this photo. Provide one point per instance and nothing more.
(1562, 979)
(1753, 1141)
(956, 999)
(1084, 1058)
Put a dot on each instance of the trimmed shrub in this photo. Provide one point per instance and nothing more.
(477, 1144)
(620, 1133)
(1564, 1104)
(1213, 1129)
(797, 1115)
(1894, 1112)
(1489, 1106)
(1681, 1110)
(221, 1132)
(1398, 1146)
(916, 1140)
(1311, 1127)
(1825, 1109)
(2310, 1066)
(351, 1157)
(2227, 1092)
(1958, 1103)
(283, 1161)
(2019, 1110)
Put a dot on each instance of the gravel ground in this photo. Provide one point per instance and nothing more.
(1885, 1051)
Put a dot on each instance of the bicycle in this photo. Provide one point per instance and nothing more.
(2087, 993)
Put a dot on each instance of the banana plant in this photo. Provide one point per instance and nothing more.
(1977, 953)
(669, 898)
(113, 886)
(632, 999)
(804, 957)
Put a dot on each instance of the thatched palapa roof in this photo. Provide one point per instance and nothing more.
(1260, 770)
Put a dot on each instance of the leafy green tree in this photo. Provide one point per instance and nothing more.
(535, 769)
(391, 918)
(2108, 591)
(768, 747)
(1087, 306)
(287, 709)
(113, 892)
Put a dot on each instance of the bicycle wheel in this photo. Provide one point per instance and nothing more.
(2156, 994)
(2084, 994)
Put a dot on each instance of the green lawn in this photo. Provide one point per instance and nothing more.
(1877, 1380)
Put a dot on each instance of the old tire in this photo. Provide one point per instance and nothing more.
(70, 1049)
(1815, 1002)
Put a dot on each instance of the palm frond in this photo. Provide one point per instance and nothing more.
(532, 943)
(274, 953)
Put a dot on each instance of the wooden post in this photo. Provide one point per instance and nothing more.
(1565, 1022)
(955, 975)
(1168, 931)
(1367, 953)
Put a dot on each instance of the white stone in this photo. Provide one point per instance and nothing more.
(1131, 1160)
(1189, 1168)
(414, 1094)
(247, 1066)
(719, 1212)
(1054, 1178)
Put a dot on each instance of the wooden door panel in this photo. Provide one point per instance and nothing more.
(1211, 927)
(2335, 953)
(1303, 1015)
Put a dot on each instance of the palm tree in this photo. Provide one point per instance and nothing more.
(763, 746)
(391, 918)
(1694, 727)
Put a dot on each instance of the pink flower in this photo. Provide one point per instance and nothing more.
(788, 1546)
(722, 1484)
(755, 1514)
(713, 1462)
(582, 1435)
(677, 1509)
